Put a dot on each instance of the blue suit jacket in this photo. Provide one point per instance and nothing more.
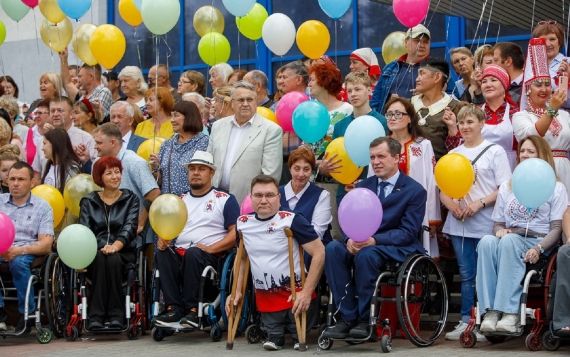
(404, 211)
(134, 142)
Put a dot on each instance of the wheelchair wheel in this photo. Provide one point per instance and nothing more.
(533, 341)
(142, 292)
(157, 334)
(43, 335)
(418, 282)
(549, 342)
(496, 339)
(216, 334)
(253, 334)
(226, 283)
(55, 295)
(386, 344)
(324, 343)
(72, 336)
(468, 339)
(134, 332)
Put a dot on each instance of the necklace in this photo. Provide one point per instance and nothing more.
(539, 112)
(422, 121)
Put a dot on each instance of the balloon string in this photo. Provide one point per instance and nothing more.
(433, 14)
(154, 118)
(567, 30)
(21, 68)
(138, 48)
(239, 49)
(532, 21)
(256, 54)
(489, 22)
(501, 20)
(447, 30)
(479, 24)
(335, 41)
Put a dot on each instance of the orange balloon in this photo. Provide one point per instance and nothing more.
(267, 114)
(54, 198)
(454, 175)
(130, 13)
(349, 172)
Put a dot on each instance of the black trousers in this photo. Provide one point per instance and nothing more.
(180, 276)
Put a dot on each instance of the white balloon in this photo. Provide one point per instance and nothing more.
(278, 33)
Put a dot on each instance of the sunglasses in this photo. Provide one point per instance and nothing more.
(551, 22)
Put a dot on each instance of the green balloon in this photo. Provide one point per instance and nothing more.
(214, 48)
(160, 16)
(251, 24)
(15, 9)
(2, 33)
(77, 246)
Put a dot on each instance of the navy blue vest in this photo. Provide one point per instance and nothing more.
(306, 206)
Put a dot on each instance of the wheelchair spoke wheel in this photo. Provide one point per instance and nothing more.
(324, 343)
(468, 339)
(43, 335)
(253, 334)
(386, 343)
(134, 332)
(421, 300)
(72, 336)
(55, 294)
(533, 342)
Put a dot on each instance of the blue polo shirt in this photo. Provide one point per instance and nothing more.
(33, 218)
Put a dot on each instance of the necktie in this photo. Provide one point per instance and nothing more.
(381, 186)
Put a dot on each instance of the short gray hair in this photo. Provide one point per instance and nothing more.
(126, 105)
(136, 74)
(242, 84)
(111, 131)
(201, 99)
(299, 69)
(224, 71)
(258, 76)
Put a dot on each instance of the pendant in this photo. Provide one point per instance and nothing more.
(422, 122)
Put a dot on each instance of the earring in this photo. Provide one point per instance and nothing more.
(528, 93)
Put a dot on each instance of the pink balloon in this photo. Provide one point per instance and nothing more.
(360, 214)
(8, 232)
(31, 3)
(410, 12)
(285, 108)
(246, 206)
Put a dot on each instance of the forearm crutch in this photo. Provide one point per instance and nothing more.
(235, 310)
(300, 321)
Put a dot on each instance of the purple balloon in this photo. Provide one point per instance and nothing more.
(7, 232)
(360, 214)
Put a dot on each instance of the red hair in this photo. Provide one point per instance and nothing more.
(328, 77)
(104, 163)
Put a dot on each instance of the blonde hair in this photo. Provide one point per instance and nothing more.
(10, 104)
(136, 75)
(358, 77)
(55, 79)
(5, 133)
(10, 152)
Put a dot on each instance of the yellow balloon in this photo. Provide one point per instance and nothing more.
(267, 114)
(349, 172)
(76, 188)
(454, 175)
(108, 45)
(56, 36)
(150, 146)
(208, 19)
(51, 11)
(54, 198)
(130, 13)
(80, 43)
(168, 216)
(394, 46)
(313, 39)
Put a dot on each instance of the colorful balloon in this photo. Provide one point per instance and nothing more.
(168, 216)
(360, 214)
(130, 13)
(214, 48)
(278, 33)
(285, 108)
(2, 33)
(335, 8)
(311, 121)
(54, 198)
(454, 175)
(239, 7)
(74, 8)
(31, 3)
(104, 38)
(75, 189)
(77, 246)
(80, 42)
(160, 16)
(138, 4)
(251, 25)
(8, 232)
(358, 136)
(313, 38)
(208, 19)
(15, 9)
(394, 46)
(267, 114)
(246, 206)
(56, 36)
(410, 12)
(349, 172)
(51, 11)
(533, 182)
(149, 146)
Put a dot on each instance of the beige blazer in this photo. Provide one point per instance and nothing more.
(260, 152)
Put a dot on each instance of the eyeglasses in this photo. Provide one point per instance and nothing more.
(242, 101)
(184, 82)
(260, 196)
(150, 79)
(551, 22)
(56, 110)
(41, 113)
(395, 115)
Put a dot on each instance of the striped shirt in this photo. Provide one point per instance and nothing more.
(33, 218)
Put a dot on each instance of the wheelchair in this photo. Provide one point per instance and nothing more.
(534, 298)
(215, 286)
(134, 289)
(411, 286)
(47, 274)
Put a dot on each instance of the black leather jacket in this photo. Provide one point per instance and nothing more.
(123, 219)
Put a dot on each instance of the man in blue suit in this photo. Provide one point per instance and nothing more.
(123, 115)
(404, 203)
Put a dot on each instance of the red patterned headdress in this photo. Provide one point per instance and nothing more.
(535, 68)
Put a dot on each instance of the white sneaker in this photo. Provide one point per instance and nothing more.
(480, 337)
(489, 323)
(455, 334)
(509, 323)
(3, 326)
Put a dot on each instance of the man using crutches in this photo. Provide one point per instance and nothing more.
(272, 240)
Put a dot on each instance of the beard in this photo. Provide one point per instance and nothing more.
(197, 186)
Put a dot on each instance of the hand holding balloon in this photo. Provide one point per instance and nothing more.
(330, 164)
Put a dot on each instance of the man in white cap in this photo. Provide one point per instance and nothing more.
(209, 232)
(399, 76)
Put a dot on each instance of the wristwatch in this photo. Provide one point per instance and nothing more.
(483, 203)
(540, 248)
(551, 112)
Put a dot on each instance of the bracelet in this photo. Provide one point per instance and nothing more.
(155, 170)
(551, 112)
(483, 203)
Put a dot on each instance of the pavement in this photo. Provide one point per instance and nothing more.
(199, 344)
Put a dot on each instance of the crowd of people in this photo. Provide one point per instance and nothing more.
(503, 110)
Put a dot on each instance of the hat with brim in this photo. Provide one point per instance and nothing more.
(202, 158)
(418, 31)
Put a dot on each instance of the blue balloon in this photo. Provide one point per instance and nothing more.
(335, 8)
(311, 121)
(533, 182)
(358, 137)
(238, 8)
(74, 8)
(138, 4)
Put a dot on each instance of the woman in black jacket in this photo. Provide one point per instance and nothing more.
(112, 214)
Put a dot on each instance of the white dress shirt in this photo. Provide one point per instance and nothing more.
(322, 216)
(236, 138)
(127, 137)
